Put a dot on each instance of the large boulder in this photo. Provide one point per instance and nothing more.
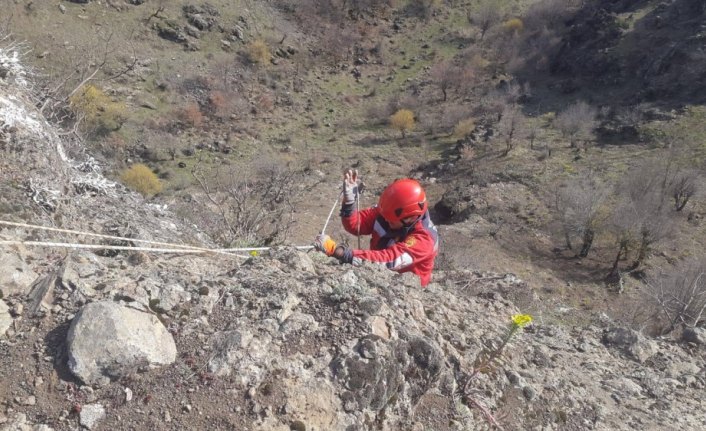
(631, 343)
(107, 340)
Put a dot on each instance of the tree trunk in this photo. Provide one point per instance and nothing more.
(623, 249)
(588, 236)
(641, 254)
(680, 202)
(567, 239)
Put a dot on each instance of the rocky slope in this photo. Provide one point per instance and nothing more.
(284, 340)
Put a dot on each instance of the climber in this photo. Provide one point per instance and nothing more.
(404, 238)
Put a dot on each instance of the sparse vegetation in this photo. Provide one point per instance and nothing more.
(258, 52)
(96, 111)
(577, 122)
(464, 128)
(679, 295)
(485, 15)
(402, 120)
(142, 179)
(248, 208)
(579, 204)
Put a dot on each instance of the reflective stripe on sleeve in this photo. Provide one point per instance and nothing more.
(402, 261)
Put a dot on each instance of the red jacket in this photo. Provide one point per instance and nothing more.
(403, 250)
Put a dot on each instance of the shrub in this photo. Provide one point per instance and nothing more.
(402, 120)
(577, 122)
(100, 113)
(513, 26)
(464, 128)
(679, 295)
(258, 52)
(140, 178)
(217, 102)
(191, 115)
(246, 206)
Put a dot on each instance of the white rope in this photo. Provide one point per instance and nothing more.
(97, 235)
(117, 247)
(144, 241)
(331, 213)
(298, 247)
(357, 210)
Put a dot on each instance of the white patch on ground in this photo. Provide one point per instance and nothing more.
(10, 60)
(17, 111)
(13, 114)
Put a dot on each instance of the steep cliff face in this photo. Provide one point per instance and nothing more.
(284, 340)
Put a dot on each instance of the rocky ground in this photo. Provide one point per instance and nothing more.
(285, 340)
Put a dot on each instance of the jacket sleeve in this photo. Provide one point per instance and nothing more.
(417, 246)
(367, 221)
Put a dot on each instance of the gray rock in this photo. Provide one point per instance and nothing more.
(242, 352)
(694, 335)
(529, 393)
(198, 21)
(16, 276)
(107, 340)
(91, 415)
(239, 33)
(299, 322)
(5, 318)
(20, 423)
(631, 343)
(167, 297)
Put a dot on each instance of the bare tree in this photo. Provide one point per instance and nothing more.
(623, 226)
(445, 76)
(576, 122)
(509, 126)
(532, 128)
(579, 203)
(339, 44)
(683, 186)
(252, 208)
(485, 15)
(641, 208)
(680, 295)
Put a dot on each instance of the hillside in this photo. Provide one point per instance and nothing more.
(562, 145)
(288, 340)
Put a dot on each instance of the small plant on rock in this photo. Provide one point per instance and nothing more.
(486, 362)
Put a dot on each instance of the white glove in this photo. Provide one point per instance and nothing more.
(350, 186)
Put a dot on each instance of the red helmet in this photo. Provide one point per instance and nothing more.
(401, 199)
